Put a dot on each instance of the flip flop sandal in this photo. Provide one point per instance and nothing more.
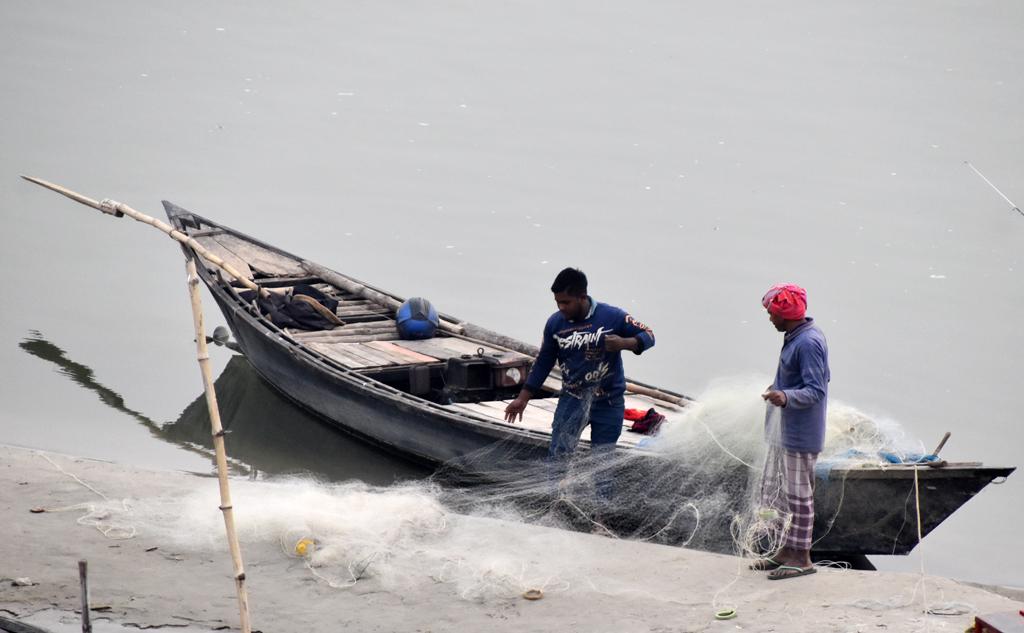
(783, 572)
(765, 564)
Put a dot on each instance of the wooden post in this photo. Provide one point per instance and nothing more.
(83, 573)
(203, 356)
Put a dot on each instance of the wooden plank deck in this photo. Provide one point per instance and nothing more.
(339, 353)
(210, 243)
(374, 357)
(535, 420)
(247, 257)
(259, 258)
(538, 416)
(397, 351)
(445, 347)
(372, 353)
(533, 414)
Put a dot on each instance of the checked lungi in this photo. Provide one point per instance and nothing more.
(798, 487)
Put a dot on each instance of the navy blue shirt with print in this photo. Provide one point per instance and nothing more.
(578, 348)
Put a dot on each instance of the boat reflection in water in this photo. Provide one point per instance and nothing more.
(267, 434)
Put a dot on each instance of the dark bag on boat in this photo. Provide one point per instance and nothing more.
(649, 424)
(323, 299)
(305, 308)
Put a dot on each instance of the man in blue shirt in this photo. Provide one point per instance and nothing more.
(800, 390)
(586, 339)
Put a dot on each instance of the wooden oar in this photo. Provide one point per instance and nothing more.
(119, 209)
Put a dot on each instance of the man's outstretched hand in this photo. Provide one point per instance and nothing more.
(515, 409)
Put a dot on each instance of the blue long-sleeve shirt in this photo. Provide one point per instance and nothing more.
(578, 348)
(803, 375)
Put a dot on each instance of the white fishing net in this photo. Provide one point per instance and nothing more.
(685, 486)
(389, 538)
(708, 480)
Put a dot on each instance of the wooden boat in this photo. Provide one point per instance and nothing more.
(441, 400)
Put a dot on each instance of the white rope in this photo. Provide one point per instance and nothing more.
(839, 507)
(727, 451)
(73, 476)
(94, 517)
(671, 520)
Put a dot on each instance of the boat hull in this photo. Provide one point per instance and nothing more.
(874, 511)
(365, 408)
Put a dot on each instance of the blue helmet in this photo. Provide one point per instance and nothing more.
(417, 319)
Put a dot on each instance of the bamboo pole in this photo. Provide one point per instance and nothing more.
(217, 430)
(119, 209)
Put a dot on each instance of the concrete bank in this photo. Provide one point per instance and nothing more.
(141, 581)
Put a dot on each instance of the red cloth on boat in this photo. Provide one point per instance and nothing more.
(649, 424)
(788, 301)
(634, 414)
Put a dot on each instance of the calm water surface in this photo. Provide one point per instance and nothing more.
(686, 157)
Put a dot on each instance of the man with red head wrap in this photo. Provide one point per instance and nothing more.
(800, 390)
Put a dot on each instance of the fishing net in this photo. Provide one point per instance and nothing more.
(394, 538)
(709, 479)
(684, 486)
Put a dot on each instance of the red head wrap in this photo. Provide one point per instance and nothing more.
(787, 301)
